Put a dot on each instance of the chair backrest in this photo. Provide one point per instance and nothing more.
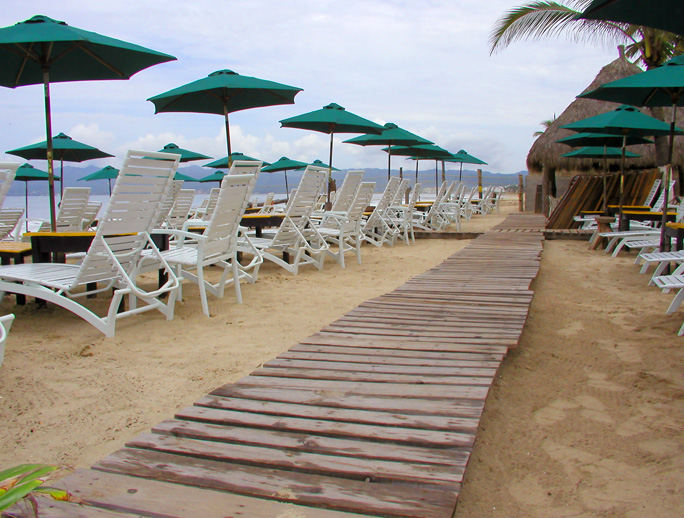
(401, 191)
(362, 199)
(181, 208)
(9, 219)
(413, 198)
(301, 206)
(7, 172)
(345, 194)
(651, 194)
(245, 167)
(211, 203)
(387, 196)
(660, 201)
(90, 214)
(222, 230)
(123, 230)
(267, 206)
(71, 209)
(167, 203)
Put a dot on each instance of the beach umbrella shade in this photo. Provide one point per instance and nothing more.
(599, 152)
(332, 119)
(41, 50)
(424, 152)
(64, 149)
(603, 141)
(660, 86)
(184, 177)
(284, 164)
(667, 15)
(392, 135)
(108, 173)
(27, 173)
(213, 177)
(223, 92)
(624, 120)
(224, 163)
(319, 163)
(464, 157)
(185, 154)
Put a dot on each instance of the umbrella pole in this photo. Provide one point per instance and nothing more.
(664, 243)
(436, 178)
(48, 130)
(443, 172)
(622, 180)
(329, 170)
(604, 204)
(417, 170)
(389, 158)
(109, 181)
(26, 203)
(225, 116)
(61, 179)
(460, 172)
(287, 189)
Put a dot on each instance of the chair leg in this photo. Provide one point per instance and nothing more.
(236, 280)
(202, 289)
(676, 302)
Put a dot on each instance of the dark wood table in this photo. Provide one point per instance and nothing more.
(261, 221)
(638, 215)
(17, 251)
(676, 231)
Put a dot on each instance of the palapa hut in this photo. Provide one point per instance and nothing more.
(544, 160)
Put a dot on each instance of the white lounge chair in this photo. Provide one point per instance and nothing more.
(71, 211)
(401, 216)
(180, 211)
(344, 229)
(377, 229)
(10, 223)
(672, 282)
(297, 235)
(344, 196)
(217, 245)
(90, 214)
(5, 325)
(114, 256)
(7, 172)
(434, 219)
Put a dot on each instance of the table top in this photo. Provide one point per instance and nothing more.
(14, 246)
(60, 234)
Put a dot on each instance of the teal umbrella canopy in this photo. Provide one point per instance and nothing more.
(599, 152)
(602, 139)
(284, 164)
(185, 154)
(223, 92)
(464, 157)
(332, 119)
(224, 163)
(213, 177)
(423, 151)
(64, 148)
(42, 50)
(322, 165)
(624, 120)
(106, 173)
(667, 15)
(392, 135)
(28, 173)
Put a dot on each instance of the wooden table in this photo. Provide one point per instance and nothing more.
(676, 231)
(17, 251)
(638, 215)
(261, 221)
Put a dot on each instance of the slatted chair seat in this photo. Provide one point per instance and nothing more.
(661, 259)
(672, 282)
(115, 254)
(434, 219)
(377, 229)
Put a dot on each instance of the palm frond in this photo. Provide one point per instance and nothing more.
(543, 19)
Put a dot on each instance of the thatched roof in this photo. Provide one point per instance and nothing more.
(546, 151)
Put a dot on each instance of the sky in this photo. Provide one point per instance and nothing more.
(426, 66)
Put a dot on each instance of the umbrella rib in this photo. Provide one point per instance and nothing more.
(99, 59)
(26, 55)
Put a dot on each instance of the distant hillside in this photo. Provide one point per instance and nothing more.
(273, 182)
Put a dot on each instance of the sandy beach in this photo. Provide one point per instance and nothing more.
(585, 418)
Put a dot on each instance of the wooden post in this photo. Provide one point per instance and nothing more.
(521, 202)
(546, 181)
(443, 172)
(479, 182)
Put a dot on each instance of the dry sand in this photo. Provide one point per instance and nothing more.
(585, 418)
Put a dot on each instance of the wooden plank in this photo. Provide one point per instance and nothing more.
(354, 468)
(313, 443)
(474, 345)
(379, 360)
(401, 435)
(409, 500)
(336, 398)
(343, 415)
(139, 496)
(50, 508)
(378, 378)
(396, 356)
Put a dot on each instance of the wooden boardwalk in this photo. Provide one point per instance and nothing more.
(376, 414)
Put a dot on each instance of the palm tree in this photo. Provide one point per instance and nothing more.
(546, 123)
(550, 19)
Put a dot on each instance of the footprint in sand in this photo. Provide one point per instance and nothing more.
(554, 412)
(571, 329)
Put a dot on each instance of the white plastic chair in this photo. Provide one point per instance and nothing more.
(114, 256)
(5, 325)
(377, 229)
(71, 211)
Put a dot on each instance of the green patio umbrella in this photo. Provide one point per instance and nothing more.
(213, 177)
(660, 86)
(41, 50)
(184, 177)
(599, 152)
(224, 163)
(392, 135)
(108, 173)
(331, 119)
(185, 154)
(603, 141)
(667, 15)
(624, 120)
(223, 92)
(319, 163)
(65, 149)
(27, 173)
(464, 157)
(284, 164)
(424, 152)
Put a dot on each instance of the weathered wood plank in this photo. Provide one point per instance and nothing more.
(390, 356)
(456, 369)
(409, 500)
